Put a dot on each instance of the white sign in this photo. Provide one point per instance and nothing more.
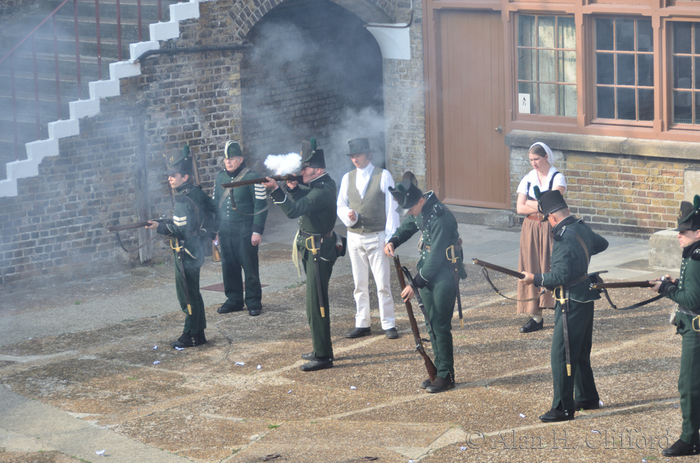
(524, 103)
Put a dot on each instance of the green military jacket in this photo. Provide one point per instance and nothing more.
(191, 204)
(570, 260)
(439, 228)
(315, 207)
(687, 293)
(250, 200)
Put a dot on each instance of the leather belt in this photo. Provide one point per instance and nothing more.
(321, 235)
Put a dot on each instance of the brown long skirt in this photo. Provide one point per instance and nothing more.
(535, 257)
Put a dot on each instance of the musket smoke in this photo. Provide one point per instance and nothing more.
(283, 164)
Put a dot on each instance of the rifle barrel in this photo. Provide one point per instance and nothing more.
(498, 268)
(126, 226)
(253, 181)
(624, 284)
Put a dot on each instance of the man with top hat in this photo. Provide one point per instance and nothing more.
(574, 244)
(243, 213)
(314, 204)
(187, 239)
(435, 271)
(366, 207)
(685, 291)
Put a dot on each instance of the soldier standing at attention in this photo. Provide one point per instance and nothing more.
(574, 244)
(187, 239)
(435, 278)
(314, 204)
(243, 214)
(366, 207)
(685, 291)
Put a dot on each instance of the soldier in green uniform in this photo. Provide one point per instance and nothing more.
(243, 213)
(574, 244)
(435, 276)
(314, 204)
(685, 291)
(187, 239)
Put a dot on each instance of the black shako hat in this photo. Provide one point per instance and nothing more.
(181, 163)
(549, 201)
(232, 150)
(310, 156)
(359, 146)
(406, 193)
(689, 215)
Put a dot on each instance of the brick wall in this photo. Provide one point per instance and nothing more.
(55, 227)
(632, 195)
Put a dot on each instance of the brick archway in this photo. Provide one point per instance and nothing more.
(312, 70)
(369, 11)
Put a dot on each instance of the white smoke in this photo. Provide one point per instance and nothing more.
(283, 164)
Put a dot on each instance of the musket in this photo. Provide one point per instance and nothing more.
(498, 268)
(623, 284)
(253, 181)
(429, 365)
(129, 226)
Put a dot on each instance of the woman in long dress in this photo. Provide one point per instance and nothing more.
(536, 235)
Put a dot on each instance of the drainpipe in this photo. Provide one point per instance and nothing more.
(200, 49)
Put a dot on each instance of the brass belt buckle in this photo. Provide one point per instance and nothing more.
(696, 323)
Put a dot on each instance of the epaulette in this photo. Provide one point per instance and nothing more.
(438, 209)
(560, 234)
(695, 255)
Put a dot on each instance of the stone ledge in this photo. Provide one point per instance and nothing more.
(606, 145)
(664, 251)
(482, 216)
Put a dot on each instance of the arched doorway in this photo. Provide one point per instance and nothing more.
(312, 70)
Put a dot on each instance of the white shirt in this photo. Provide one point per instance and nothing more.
(534, 180)
(361, 181)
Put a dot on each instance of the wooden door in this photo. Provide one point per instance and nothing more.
(473, 169)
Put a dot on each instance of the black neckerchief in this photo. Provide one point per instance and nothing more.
(688, 250)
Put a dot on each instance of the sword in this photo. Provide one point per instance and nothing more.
(452, 257)
(180, 256)
(563, 300)
(317, 266)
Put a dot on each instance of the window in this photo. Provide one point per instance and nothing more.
(624, 69)
(686, 73)
(547, 65)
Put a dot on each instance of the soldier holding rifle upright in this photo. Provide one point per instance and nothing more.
(435, 277)
(187, 239)
(243, 214)
(685, 291)
(574, 244)
(314, 203)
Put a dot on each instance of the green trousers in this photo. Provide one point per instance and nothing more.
(689, 378)
(439, 297)
(580, 321)
(195, 322)
(320, 326)
(238, 254)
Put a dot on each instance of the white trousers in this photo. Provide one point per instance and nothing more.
(366, 252)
